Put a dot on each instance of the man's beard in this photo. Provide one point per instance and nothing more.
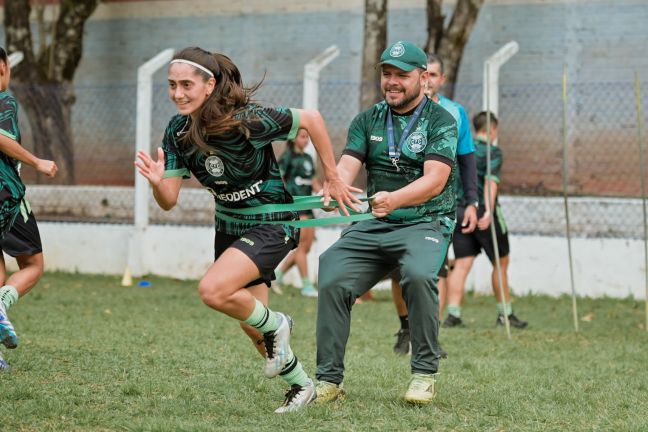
(407, 98)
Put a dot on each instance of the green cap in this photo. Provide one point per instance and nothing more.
(405, 56)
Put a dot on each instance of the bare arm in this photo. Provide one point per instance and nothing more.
(333, 185)
(165, 190)
(490, 188)
(13, 149)
(349, 167)
(431, 184)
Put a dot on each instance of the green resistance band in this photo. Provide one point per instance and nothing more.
(300, 203)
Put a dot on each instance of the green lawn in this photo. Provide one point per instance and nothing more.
(97, 356)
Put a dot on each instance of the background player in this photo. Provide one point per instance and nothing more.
(298, 170)
(19, 235)
(468, 246)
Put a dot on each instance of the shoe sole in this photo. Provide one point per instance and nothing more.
(414, 401)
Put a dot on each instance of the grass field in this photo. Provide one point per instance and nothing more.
(96, 356)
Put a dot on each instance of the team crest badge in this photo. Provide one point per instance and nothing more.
(416, 142)
(214, 166)
(397, 50)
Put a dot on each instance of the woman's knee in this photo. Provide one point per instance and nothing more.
(211, 294)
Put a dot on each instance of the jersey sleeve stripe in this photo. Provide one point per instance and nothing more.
(440, 158)
(295, 124)
(7, 134)
(493, 177)
(355, 154)
(183, 172)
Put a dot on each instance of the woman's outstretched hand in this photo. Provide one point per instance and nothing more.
(341, 192)
(152, 170)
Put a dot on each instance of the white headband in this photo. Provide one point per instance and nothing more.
(194, 64)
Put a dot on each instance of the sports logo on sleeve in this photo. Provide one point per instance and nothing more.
(416, 142)
(397, 50)
(214, 166)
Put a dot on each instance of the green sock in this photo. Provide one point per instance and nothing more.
(280, 275)
(454, 310)
(262, 318)
(294, 373)
(8, 296)
(306, 283)
(501, 309)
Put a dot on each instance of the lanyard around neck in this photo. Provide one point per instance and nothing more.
(394, 151)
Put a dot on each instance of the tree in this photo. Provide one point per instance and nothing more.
(43, 81)
(449, 43)
(375, 42)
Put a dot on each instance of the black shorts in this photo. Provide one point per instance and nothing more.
(23, 238)
(265, 245)
(470, 245)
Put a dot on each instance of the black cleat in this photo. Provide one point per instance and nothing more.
(513, 320)
(443, 353)
(402, 345)
(452, 321)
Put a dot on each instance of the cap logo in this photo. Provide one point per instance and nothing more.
(397, 50)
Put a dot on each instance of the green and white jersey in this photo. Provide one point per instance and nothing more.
(12, 189)
(480, 160)
(434, 137)
(239, 171)
(298, 171)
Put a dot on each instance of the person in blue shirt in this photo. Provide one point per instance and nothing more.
(467, 199)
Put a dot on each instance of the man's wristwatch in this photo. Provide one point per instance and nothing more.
(475, 204)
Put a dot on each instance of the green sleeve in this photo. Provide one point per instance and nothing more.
(357, 145)
(173, 163)
(271, 124)
(442, 138)
(9, 119)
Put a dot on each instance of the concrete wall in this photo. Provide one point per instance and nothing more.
(539, 264)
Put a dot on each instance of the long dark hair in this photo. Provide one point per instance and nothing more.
(3, 56)
(216, 115)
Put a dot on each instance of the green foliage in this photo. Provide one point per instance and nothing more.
(96, 356)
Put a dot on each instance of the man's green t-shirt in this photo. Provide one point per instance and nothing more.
(239, 171)
(433, 137)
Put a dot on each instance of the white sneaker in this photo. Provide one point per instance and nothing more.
(277, 344)
(298, 397)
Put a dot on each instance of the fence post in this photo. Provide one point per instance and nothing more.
(143, 142)
(490, 98)
(311, 84)
(15, 58)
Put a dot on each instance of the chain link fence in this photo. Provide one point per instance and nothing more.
(603, 160)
